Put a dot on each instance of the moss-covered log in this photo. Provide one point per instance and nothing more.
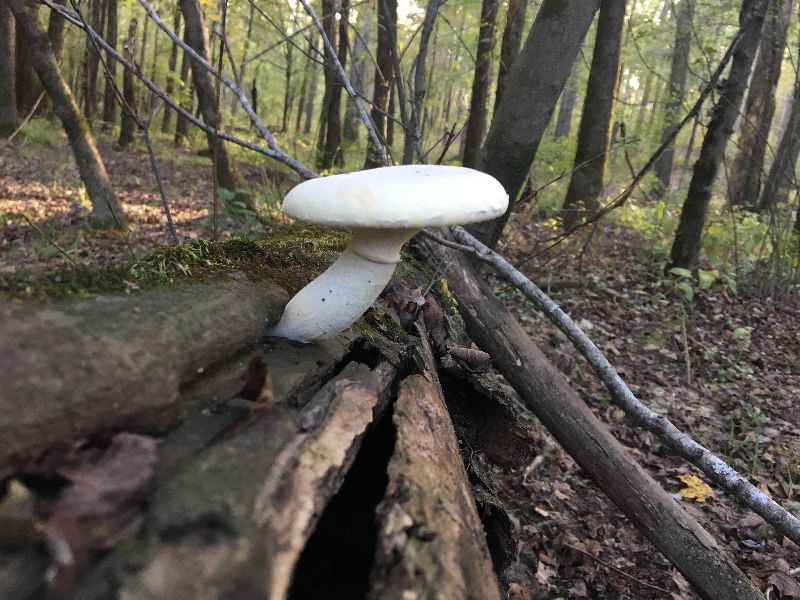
(73, 369)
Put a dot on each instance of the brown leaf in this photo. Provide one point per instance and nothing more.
(96, 510)
(785, 584)
(517, 592)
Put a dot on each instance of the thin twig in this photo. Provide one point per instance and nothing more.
(617, 569)
(27, 118)
(720, 473)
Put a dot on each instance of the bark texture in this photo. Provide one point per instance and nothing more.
(127, 354)
(744, 184)
(384, 77)
(569, 98)
(675, 89)
(8, 84)
(429, 493)
(535, 84)
(478, 112)
(545, 391)
(686, 246)
(597, 118)
(330, 140)
(509, 47)
(106, 211)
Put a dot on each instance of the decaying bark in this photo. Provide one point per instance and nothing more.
(430, 536)
(545, 391)
(116, 362)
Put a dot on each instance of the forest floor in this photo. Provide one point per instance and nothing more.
(723, 367)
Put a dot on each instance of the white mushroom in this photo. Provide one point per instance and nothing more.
(383, 208)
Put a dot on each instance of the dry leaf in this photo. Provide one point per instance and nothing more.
(696, 489)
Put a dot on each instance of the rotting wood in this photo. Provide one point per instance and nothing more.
(230, 520)
(116, 362)
(431, 542)
(545, 391)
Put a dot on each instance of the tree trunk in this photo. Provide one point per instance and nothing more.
(92, 61)
(196, 37)
(106, 211)
(605, 460)
(781, 174)
(597, 118)
(171, 75)
(413, 137)
(644, 105)
(128, 127)
(481, 82)
(509, 48)
(686, 247)
(521, 119)
(675, 89)
(287, 87)
(568, 99)
(744, 184)
(27, 82)
(245, 51)
(384, 77)
(109, 98)
(358, 71)
(312, 92)
(330, 140)
(187, 100)
(144, 44)
(8, 84)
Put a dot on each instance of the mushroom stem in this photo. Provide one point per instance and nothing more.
(337, 298)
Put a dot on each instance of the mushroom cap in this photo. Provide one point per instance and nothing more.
(408, 196)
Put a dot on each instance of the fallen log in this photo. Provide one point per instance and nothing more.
(547, 393)
(431, 542)
(232, 519)
(116, 362)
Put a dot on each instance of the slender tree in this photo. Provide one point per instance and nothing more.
(287, 85)
(781, 174)
(509, 48)
(569, 98)
(187, 100)
(675, 89)
(196, 36)
(312, 90)
(358, 71)
(245, 51)
(384, 76)
(128, 127)
(106, 210)
(476, 125)
(522, 117)
(413, 138)
(166, 122)
(686, 246)
(330, 134)
(597, 118)
(744, 184)
(109, 98)
(8, 84)
(92, 61)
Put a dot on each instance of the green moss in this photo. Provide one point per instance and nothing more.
(289, 256)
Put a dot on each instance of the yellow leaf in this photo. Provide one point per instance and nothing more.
(696, 489)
